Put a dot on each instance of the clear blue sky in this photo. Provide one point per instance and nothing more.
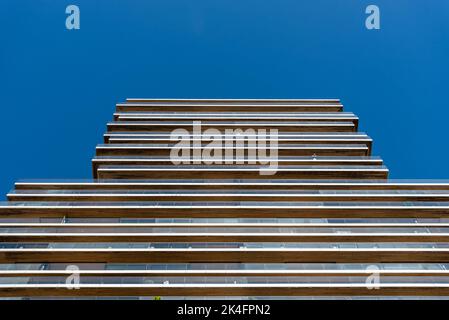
(58, 87)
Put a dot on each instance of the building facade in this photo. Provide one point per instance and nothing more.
(249, 198)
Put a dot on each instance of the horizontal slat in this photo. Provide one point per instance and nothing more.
(265, 255)
(309, 289)
(226, 118)
(155, 126)
(223, 210)
(224, 224)
(241, 184)
(139, 138)
(241, 172)
(282, 160)
(217, 107)
(228, 105)
(239, 115)
(230, 273)
(245, 149)
(281, 135)
(205, 237)
(231, 101)
(253, 195)
(164, 140)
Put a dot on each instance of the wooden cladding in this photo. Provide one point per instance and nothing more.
(248, 255)
(329, 201)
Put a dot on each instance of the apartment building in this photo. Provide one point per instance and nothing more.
(325, 221)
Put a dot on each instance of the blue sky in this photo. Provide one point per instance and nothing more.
(59, 87)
